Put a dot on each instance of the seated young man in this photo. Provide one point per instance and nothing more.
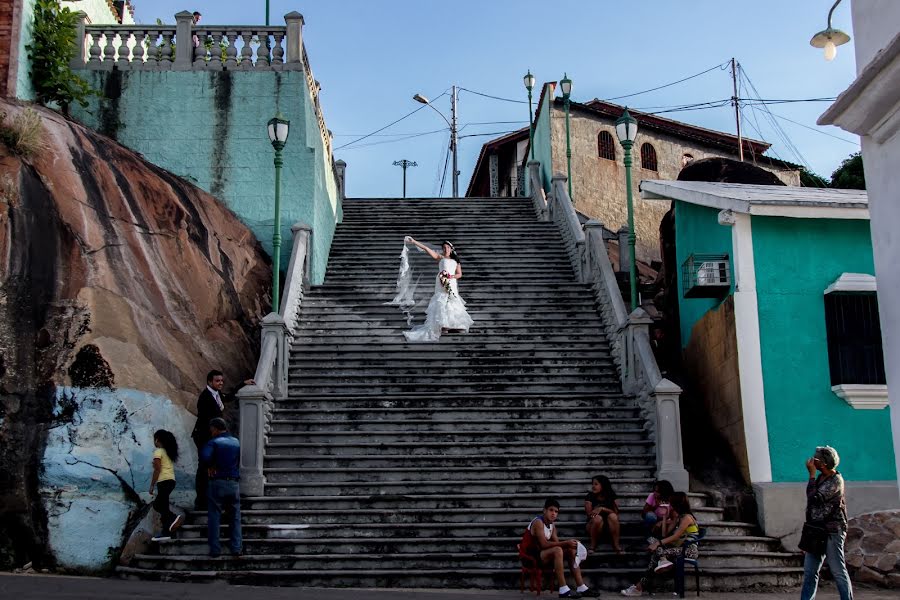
(552, 551)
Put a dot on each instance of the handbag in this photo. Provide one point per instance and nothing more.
(813, 539)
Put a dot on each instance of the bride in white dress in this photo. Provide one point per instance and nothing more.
(447, 310)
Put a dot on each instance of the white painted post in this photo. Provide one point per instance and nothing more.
(669, 456)
(184, 41)
(273, 325)
(294, 38)
(341, 168)
(253, 408)
(624, 251)
(79, 59)
(638, 324)
(303, 236)
(593, 238)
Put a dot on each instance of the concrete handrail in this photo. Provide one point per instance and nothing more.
(271, 377)
(628, 334)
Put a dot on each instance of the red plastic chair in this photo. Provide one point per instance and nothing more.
(532, 568)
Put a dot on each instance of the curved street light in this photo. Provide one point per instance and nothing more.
(453, 131)
(626, 131)
(829, 38)
(278, 130)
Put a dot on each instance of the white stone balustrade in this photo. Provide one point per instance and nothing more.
(271, 376)
(207, 47)
(628, 335)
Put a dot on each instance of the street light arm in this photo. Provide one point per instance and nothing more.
(447, 121)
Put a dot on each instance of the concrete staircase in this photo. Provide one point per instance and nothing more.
(420, 465)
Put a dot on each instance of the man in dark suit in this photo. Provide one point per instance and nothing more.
(210, 405)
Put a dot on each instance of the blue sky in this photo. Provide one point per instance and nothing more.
(371, 56)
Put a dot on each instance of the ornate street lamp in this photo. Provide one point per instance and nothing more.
(529, 85)
(565, 85)
(829, 38)
(626, 131)
(278, 129)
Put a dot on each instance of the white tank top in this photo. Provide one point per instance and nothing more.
(548, 529)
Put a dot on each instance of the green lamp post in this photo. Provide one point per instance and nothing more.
(529, 85)
(626, 130)
(565, 85)
(278, 134)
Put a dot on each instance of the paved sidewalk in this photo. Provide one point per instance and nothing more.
(41, 587)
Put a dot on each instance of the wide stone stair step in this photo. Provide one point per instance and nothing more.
(415, 427)
(624, 455)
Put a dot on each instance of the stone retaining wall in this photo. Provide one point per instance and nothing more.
(873, 548)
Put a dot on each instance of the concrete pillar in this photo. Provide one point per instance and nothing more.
(79, 59)
(669, 456)
(593, 241)
(520, 178)
(624, 250)
(253, 402)
(303, 236)
(534, 175)
(184, 38)
(294, 38)
(273, 325)
(341, 168)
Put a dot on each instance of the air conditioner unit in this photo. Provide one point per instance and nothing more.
(713, 273)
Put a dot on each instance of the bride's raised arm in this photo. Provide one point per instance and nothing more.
(424, 248)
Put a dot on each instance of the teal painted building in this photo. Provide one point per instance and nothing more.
(777, 303)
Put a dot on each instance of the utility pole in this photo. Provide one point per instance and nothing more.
(453, 139)
(737, 109)
(404, 164)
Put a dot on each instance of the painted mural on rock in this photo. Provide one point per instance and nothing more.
(96, 470)
(121, 285)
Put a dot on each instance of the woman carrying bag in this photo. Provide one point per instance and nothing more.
(825, 529)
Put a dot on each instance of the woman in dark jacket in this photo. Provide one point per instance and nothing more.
(826, 513)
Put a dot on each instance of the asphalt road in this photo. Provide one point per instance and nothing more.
(41, 587)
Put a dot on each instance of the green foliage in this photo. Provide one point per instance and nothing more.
(23, 134)
(51, 51)
(810, 179)
(850, 175)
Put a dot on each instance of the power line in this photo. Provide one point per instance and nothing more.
(489, 133)
(493, 97)
(837, 137)
(388, 134)
(386, 126)
(779, 130)
(721, 66)
(444, 172)
(402, 139)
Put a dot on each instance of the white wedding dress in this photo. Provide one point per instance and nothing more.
(445, 310)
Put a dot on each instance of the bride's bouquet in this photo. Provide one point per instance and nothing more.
(445, 278)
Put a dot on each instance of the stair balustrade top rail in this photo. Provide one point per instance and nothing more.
(629, 335)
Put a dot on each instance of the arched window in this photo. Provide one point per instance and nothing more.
(606, 146)
(648, 157)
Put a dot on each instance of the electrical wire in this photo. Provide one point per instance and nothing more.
(837, 137)
(462, 89)
(721, 67)
(444, 172)
(388, 134)
(776, 126)
(402, 139)
(392, 123)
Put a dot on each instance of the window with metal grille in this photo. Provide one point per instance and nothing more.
(854, 338)
(648, 157)
(606, 146)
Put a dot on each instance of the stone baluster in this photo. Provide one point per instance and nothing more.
(165, 51)
(109, 51)
(139, 50)
(184, 41)
(294, 39)
(199, 51)
(277, 49)
(247, 51)
(263, 57)
(80, 57)
(215, 52)
(96, 50)
(231, 51)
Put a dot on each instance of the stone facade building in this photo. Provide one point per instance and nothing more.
(662, 148)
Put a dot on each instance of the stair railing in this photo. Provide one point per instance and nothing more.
(628, 334)
(256, 401)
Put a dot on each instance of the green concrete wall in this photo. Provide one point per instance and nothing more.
(796, 259)
(697, 231)
(24, 88)
(209, 127)
(543, 146)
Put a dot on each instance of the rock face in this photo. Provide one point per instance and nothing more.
(121, 285)
(873, 548)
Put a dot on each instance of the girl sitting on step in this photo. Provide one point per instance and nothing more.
(602, 511)
(664, 551)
